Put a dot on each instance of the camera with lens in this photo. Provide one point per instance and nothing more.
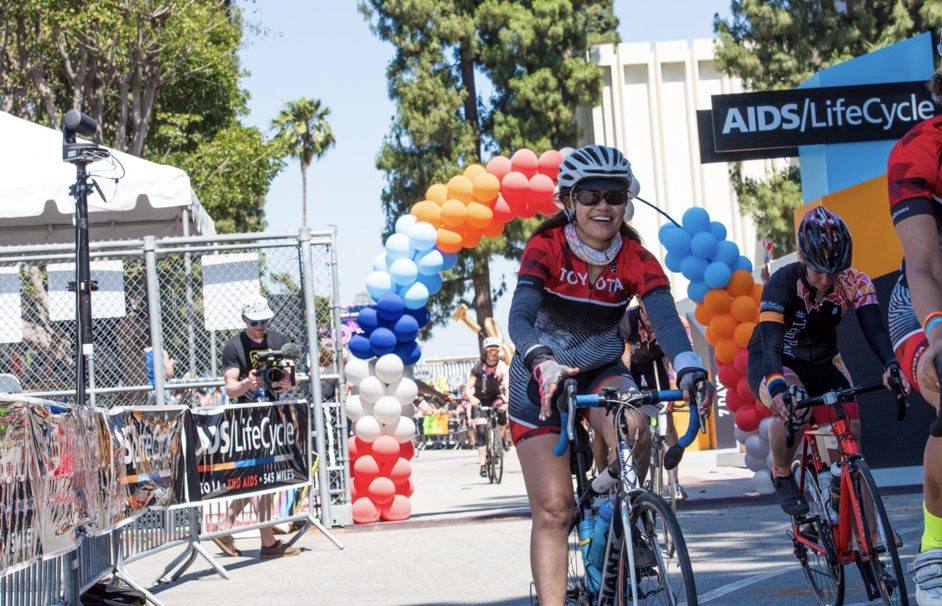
(275, 372)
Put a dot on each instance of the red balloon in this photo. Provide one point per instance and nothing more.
(366, 468)
(525, 161)
(549, 208)
(733, 401)
(365, 511)
(406, 488)
(499, 166)
(502, 210)
(741, 358)
(385, 449)
(361, 488)
(352, 448)
(407, 451)
(742, 388)
(515, 187)
(396, 510)
(728, 376)
(549, 163)
(399, 472)
(541, 189)
(747, 419)
(528, 210)
(717, 361)
(382, 490)
(762, 410)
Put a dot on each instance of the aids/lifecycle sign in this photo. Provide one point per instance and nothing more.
(814, 116)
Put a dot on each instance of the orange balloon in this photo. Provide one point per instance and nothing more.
(479, 216)
(757, 293)
(486, 187)
(438, 193)
(454, 213)
(460, 188)
(740, 283)
(702, 315)
(723, 326)
(717, 301)
(726, 350)
(743, 308)
(494, 230)
(711, 338)
(744, 333)
(428, 212)
(473, 171)
(448, 241)
(472, 237)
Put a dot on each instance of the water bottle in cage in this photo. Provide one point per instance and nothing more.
(835, 500)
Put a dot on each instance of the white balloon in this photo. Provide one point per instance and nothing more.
(408, 410)
(566, 151)
(404, 224)
(354, 408)
(757, 447)
(368, 429)
(387, 409)
(372, 389)
(403, 430)
(356, 370)
(742, 436)
(762, 482)
(381, 262)
(764, 425)
(405, 390)
(407, 371)
(389, 368)
(768, 461)
(754, 463)
(367, 407)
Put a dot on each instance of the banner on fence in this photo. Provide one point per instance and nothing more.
(246, 448)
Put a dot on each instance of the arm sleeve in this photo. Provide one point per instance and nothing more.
(626, 325)
(520, 325)
(772, 330)
(671, 335)
(871, 323)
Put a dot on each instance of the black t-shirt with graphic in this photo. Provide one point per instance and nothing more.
(241, 351)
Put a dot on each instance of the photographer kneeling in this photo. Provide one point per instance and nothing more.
(245, 365)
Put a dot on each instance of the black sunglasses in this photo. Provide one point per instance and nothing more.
(589, 197)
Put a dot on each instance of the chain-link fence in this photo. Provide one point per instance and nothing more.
(162, 315)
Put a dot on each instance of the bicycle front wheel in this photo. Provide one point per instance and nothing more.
(496, 447)
(662, 570)
(819, 560)
(879, 538)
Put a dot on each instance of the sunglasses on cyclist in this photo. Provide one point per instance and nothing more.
(589, 197)
(254, 323)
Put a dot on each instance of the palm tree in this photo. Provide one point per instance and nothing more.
(302, 126)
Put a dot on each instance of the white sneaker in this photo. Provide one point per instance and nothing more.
(928, 577)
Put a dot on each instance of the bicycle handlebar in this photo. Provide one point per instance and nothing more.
(935, 429)
(839, 395)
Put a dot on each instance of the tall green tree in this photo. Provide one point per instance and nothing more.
(778, 44)
(533, 53)
(304, 131)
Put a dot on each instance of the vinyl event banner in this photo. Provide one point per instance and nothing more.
(245, 448)
(842, 114)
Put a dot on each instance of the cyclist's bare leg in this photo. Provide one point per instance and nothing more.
(782, 456)
(549, 490)
(600, 452)
(637, 423)
(932, 459)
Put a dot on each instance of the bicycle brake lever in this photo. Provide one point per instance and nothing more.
(789, 430)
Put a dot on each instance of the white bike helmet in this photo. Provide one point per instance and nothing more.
(491, 343)
(597, 166)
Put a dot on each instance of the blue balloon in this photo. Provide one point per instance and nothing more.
(433, 283)
(415, 296)
(421, 315)
(703, 245)
(692, 267)
(697, 290)
(743, 263)
(390, 307)
(378, 284)
(696, 220)
(718, 230)
(367, 319)
(726, 253)
(409, 353)
(429, 261)
(406, 328)
(664, 230)
(672, 261)
(677, 241)
(717, 275)
(360, 347)
(382, 341)
(451, 259)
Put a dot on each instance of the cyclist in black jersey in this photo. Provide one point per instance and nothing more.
(795, 342)
(487, 386)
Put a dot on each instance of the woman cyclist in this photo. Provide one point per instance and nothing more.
(487, 386)
(579, 270)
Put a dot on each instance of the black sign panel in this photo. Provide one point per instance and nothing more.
(814, 116)
(709, 155)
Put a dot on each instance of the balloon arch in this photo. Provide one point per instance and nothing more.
(459, 214)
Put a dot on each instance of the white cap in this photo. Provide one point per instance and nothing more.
(256, 309)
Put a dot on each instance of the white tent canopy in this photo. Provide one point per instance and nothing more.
(36, 208)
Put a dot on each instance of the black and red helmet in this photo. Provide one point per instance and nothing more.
(824, 241)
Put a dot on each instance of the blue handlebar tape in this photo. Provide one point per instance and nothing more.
(671, 395)
(588, 400)
(692, 429)
(563, 445)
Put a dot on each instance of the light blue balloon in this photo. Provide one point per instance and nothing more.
(398, 247)
(451, 259)
(718, 230)
(422, 236)
(703, 245)
(405, 223)
(433, 283)
(696, 220)
(415, 296)
(429, 262)
(677, 241)
(664, 230)
(726, 253)
(673, 262)
(378, 284)
(692, 267)
(382, 262)
(403, 272)
(717, 275)
(743, 263)
(697, 290)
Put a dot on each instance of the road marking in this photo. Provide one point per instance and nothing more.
(727, 589)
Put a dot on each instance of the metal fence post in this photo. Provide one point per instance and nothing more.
(338, 357)
(153, 310)
(307, 281)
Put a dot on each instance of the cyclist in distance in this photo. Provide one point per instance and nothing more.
(795, 342)
(579, 270)
(915, 191)
(487, 386)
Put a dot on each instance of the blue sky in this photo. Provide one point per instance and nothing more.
(330, 54)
